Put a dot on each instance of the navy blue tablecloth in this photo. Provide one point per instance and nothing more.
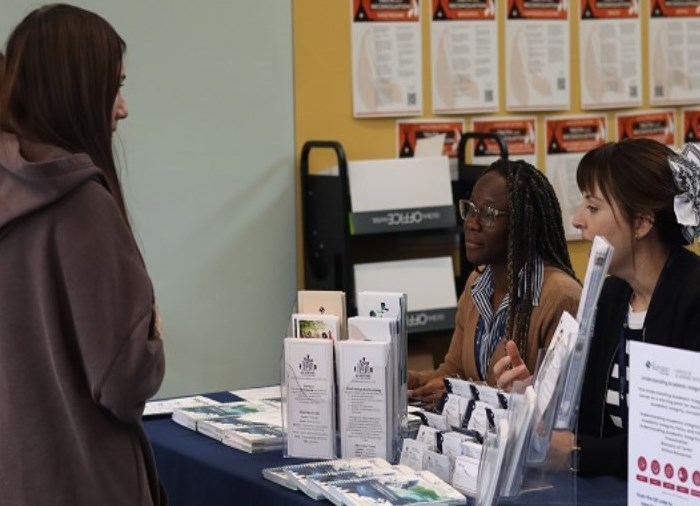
(199, 471)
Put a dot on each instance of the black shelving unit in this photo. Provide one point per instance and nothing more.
(331, 249)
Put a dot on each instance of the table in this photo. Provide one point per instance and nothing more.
(199, 471)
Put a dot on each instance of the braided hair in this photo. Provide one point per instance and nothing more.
(536, 229)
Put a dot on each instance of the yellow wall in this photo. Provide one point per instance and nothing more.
(323, 89)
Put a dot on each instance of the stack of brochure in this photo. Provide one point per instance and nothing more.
(254, 438)
(191, 417)
(245, 425)
(382, 318)
(309, 398)
(364, 482)
(165, 407)
(367, 382)
(421, 488)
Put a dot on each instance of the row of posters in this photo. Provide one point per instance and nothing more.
(387, 55)
(566, 140)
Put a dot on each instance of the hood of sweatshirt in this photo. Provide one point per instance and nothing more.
(28, 186)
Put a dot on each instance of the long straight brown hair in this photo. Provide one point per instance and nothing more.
(62, 74)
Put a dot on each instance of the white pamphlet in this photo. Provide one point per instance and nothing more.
(412, 454)
(438, 464)
(309, 410)
(364, 404)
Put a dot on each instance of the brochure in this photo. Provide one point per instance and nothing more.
(309, 409)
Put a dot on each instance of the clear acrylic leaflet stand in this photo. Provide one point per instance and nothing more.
(552, 480)
(296, 389)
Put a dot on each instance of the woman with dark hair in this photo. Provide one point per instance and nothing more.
(645, 200)
(524, 280)
(80, 347)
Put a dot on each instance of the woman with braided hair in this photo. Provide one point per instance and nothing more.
(522, 283)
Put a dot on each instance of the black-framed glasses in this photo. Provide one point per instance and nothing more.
(487, 215)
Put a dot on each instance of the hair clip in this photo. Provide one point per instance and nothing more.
(685, 167)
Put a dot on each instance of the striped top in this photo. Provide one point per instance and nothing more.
(633, 332)
(491, 326)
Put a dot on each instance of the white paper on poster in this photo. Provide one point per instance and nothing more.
(674, 55)
(664, 425)
(610, 56)
(427, 282)
(464, 63)
(387, 60)
(399, 183)
(310, 401)
(561, 172)
(537, 64)
(428, 147)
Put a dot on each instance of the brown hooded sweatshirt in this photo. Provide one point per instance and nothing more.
(79, 354)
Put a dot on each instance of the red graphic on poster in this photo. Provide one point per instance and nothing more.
(609, 9)
(674, 8)
(385, 10)
(656, 125)
(537, 9)
(411, 131)
(463, 10)
(519, 134)
(683, 474)
(655, 467)
(575, 135)
(691, 127)
(696, 478)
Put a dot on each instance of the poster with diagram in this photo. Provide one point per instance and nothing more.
(674, 52)
(610, 54)
(464, 56)
(537, 55)
(387, 75)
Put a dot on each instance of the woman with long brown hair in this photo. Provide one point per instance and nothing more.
(645, 200)
(80, 347)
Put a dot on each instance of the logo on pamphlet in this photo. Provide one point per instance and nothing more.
(363, 369)
(661, 369)
(307, 366)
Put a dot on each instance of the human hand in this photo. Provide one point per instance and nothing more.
(412, 380)
(560, 447)
(510, 368)
(156, 318)
(429, 393)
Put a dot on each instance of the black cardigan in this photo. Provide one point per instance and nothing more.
(673, 319)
